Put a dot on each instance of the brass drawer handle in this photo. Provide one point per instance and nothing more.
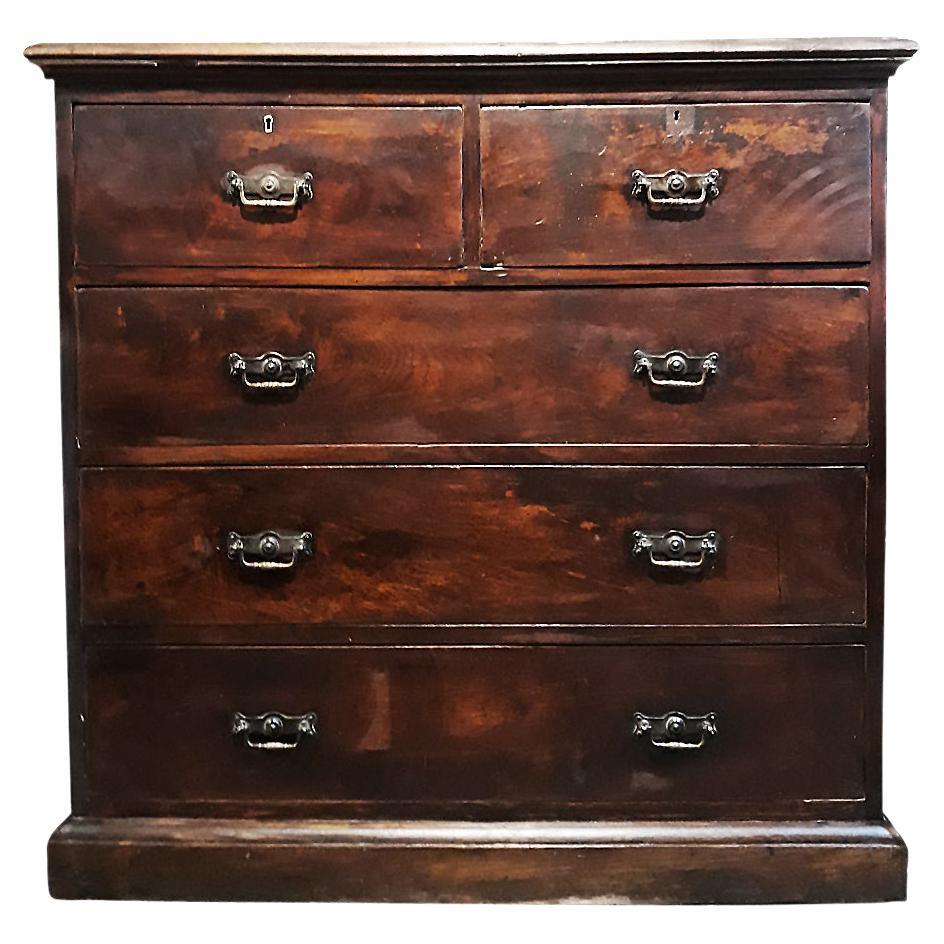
(268, 550)
(676, 368)
(271, 371)
(676, 190)
(677, 550)
(273, 731)
(675, 731)
(268, 189)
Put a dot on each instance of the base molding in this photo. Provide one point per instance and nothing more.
(371, 860)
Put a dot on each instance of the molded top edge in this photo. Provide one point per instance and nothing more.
(181, 55)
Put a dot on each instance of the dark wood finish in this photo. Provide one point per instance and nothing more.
(875, 506)
(438, 544)
(719, 64)
(502, 574)
(477, 367)
(171, 454)
(794, 184)
(387, 187)
(883, 50)
(477, 634)
(654, 862)
(68, 382)
(494, 277)
(528, 731)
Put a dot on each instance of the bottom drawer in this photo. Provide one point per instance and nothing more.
(519, 731)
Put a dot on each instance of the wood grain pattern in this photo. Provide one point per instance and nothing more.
(717, 64)
(659, 861)
(794, 184)
(474, 633)
(387, 188)
(536, 730)
(402, 367)
(471, 276)
(472, 544)
(453, 54)
(478, 634)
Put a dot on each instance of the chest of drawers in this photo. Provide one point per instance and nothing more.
(474, 471)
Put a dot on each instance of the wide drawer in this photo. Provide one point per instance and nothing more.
(385, 187)
(471, 545)
(558, 186)
(503, 366)
(779, 728)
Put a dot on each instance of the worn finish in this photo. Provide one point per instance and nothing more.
(440, 367)
(557, 185)
(587, 67)
(534, 731)
(386, 187)
(657, 862)
(493, 436)
(472, 544)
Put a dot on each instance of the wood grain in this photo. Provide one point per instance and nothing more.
(472, 544)
(733, 862)
(407, 367)
(794, 184)
(475, 635)
(387, 187)
(535, 730)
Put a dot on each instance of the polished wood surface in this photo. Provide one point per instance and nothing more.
(722, 64)
(556, 184)
(472, 455)
(473, 544)
(387, 186)
(505, 729)
(658, 862)
(882, 48)
(449, 367)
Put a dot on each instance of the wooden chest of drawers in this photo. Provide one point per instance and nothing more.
(474, 470)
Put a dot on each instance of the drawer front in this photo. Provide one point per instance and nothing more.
(471, 545)
(509, 366)
(794, 185)
(385, 188)
(535, 728)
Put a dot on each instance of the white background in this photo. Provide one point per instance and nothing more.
(33, 746)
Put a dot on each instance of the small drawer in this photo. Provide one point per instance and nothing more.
(257, 186)
(434, 544)
(788, 365)
(560, 185)
(660, 730)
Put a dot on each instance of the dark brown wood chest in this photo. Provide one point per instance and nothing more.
(474, 471)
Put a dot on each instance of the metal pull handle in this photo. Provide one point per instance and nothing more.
(676, 190)
(268, 550)
(274, 731)
(677, 550)
(268, 188)
(271, 371)
(675, 731)
(676, 368)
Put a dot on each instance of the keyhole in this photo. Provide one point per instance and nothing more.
(268, 123)
(676, 115)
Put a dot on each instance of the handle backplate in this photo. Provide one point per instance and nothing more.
(268, 188)
(273, 731)
(675, 731)
(676, 550)
(676, 189)
(271, 371)
(676, 369)
(268, 550)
